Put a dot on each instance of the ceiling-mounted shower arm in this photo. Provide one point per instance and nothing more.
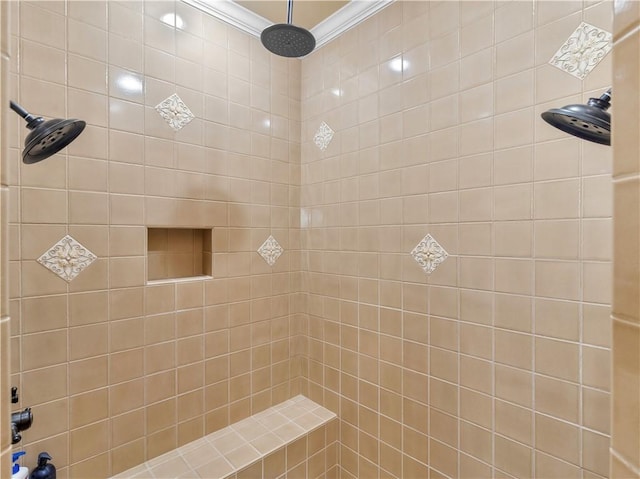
(289, 12)
(32, 121)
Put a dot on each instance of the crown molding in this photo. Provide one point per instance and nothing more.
(233, 14)
(236, 15)
(348, 16)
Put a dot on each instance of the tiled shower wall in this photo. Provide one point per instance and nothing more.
(625, 426)
(496, 364)
(5, 405)
(117, 370)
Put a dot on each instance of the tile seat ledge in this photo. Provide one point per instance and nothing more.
(235, 447)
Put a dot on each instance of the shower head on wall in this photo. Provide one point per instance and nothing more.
(288, 40)
(590, 122)
(46, 137)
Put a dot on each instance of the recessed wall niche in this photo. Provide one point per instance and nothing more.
(177, 253)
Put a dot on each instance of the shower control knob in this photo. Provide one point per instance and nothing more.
(20, 421)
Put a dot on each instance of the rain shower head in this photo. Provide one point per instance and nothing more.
(46, 137)
(590, 122)
(286, 39)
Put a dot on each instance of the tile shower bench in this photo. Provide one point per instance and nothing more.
(294, 439)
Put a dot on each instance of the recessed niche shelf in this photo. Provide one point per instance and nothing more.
(178, 254)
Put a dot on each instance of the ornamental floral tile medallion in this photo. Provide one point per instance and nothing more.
(175, 112)
(582, 52)
(323, 136)
(67, 258)
(270, 250)
(429, 254)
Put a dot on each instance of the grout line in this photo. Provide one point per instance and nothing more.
(628, 464)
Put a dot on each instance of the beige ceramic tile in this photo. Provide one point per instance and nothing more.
(549, 466)
(596, 409)
(45, 26)
(557, 319)
(625, 389)
(558, 438)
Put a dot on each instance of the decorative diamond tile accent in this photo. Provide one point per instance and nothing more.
(429, 254)
(582, 52)
(323, 136)
(67, 258)
(270, 250)
(175, 112)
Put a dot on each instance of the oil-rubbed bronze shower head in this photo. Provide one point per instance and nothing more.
(46, 137)
(288, 40)
(590, 122)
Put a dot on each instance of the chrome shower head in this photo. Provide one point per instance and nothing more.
(46, 137)
(590, 122)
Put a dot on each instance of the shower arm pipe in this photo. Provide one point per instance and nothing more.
(603, 102)
(289, 12)
(28, 117)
